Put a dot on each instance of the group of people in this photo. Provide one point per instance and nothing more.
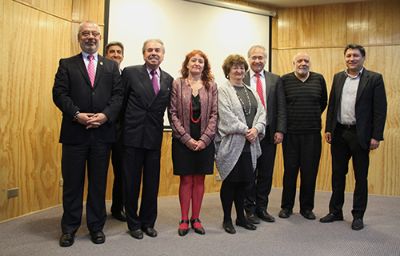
(237, 123)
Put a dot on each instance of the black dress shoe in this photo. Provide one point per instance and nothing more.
(137, 233)
(199, 229)
(285, 213)
(245, 224)
(265, 216)
(308, 214)
(330, 217)
(119, 215)
(252, 218)
(228, 227)
(67, 239)
(97, 237)
(151, 232)
(357, 224)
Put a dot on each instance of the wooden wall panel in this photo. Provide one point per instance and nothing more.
(34, 36)
(372, 24)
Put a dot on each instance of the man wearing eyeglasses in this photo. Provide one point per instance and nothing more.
(270, 89)
(88, 91)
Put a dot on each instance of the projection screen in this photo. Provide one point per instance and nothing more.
(184, 26)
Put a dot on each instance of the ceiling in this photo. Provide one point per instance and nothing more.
(296, 3)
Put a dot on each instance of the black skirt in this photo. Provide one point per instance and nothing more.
(243, 169)
(186, 161)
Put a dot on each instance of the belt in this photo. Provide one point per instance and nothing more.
(346, 126)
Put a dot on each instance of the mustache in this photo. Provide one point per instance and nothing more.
(153, 56)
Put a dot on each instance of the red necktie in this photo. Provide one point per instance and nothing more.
(259, 89)
(154, 81)
(90, 69)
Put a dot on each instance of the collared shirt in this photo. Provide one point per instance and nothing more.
(347, 113)
(157, 74)
(86, 60)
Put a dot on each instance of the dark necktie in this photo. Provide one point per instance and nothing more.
(154, 81)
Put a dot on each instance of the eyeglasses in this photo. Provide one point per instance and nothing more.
(257, 58)
(88, 33)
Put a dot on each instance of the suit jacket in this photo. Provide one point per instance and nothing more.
(370, 107)
(276, 103)
(143, 120)
(179, 111)
(73, 92)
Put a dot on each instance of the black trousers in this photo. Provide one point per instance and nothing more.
(141, 164)
(257, 193)
(344, 146)
(301, 152)
(117, 192)
(75, 158)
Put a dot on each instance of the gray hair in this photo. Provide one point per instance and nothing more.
(153, 40)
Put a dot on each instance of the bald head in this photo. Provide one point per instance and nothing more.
(301, 64)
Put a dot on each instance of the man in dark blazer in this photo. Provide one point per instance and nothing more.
(147, 94)
(87, 89)
(354, 125)
(273, 96)
(115, 51)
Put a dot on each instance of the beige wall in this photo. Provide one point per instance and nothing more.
(36, 34)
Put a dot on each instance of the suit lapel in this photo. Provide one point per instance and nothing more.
(341, 81)
(268, 84)
(99, 70)
(363, 82)
(147, 85)
(81, 65)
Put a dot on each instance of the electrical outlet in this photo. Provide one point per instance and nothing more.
(12, 192)
(61, 182)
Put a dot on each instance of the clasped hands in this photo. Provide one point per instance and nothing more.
(195, 145)
(91, 120)
(251, 135)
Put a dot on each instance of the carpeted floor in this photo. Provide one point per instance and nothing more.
(37, 234)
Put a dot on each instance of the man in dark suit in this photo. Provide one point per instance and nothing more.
(354, 125)
(270, 89)
(87, 89)
(147, 94)
(115, 51)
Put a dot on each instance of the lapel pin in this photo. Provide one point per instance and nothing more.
(101, 63)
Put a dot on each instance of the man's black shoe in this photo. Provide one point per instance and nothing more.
(308, 214)
(357, 224)
(151, 232)
(330, 217)
(285, 213)
(67, 239)
(137, 233)
(97, 237)
(265, 216)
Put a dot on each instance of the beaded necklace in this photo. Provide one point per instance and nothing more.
(246, 112)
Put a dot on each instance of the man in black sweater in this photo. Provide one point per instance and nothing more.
(306, 99)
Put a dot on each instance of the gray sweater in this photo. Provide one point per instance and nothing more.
(232, 128)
